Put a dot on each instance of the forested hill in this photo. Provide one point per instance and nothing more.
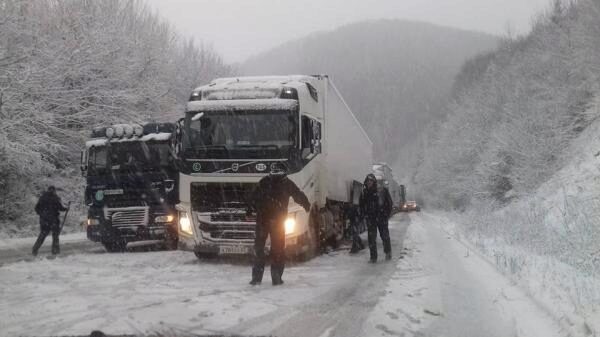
(516, 111)
(395, 75)
(68, 66)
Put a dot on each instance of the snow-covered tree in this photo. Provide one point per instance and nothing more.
(67, 66)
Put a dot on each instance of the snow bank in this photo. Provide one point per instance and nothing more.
(15, 243)
(441, 288)
(548, 242)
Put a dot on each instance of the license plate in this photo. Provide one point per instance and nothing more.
(240, 250)
(113, 192)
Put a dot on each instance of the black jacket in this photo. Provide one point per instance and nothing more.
(49, 206)
(375, 202)
(271, 198)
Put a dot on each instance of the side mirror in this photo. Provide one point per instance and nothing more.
(169, 185)
(84, 161)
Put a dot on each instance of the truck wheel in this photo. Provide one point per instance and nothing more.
(114, 247)
(328, 226)
(205, 256)
(171, 242)
(312, 237)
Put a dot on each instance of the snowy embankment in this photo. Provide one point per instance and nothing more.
(444, 288)
(549, 242)
(16, 243)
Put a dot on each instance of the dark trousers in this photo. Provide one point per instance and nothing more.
(276, 231)
(374, 224)
(47, 226)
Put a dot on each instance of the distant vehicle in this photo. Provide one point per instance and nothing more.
(385, 177)
(236, 129)
(411, 206)
(131, 189)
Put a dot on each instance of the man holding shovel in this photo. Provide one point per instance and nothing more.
(48, 208)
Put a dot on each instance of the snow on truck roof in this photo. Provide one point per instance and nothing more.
(120, 133)
(263, 82)
(243, 104)
(163, 136)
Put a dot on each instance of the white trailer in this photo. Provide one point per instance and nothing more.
(235, 129)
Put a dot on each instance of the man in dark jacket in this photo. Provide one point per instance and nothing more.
(376, 207)
(48, 208)
(270, 200)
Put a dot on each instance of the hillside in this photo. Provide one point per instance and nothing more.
(518, 156)
(395, 75)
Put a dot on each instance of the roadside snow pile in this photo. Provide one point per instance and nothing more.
(549, 241)
(69, 185)
(442, 288)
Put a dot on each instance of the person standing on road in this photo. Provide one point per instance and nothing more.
(270, 200)
(48, 208)
(376, 207)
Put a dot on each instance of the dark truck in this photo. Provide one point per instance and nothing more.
(131, 189)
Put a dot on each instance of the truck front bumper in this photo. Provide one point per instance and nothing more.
(293, 246)
(104, 233)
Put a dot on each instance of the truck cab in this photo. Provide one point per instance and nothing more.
(234, 131)
(131, 188)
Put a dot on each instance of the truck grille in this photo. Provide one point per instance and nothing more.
(232, 231)
(231, 217)
(232, 235)
(228, 225)
(127, 216)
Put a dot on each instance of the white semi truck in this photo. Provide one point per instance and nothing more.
(236, 129)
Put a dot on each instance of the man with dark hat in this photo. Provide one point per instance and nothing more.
(270, 200)
(376, 206)
(48, 208)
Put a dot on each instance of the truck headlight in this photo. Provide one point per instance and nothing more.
(164, 218)
(92, 222)
(290, 225)
(185, 224)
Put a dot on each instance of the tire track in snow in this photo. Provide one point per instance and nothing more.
(342, 310)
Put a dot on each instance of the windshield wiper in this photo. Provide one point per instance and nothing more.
(210, 147)
(270, 146)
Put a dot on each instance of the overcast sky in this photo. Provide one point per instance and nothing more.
(241, 28)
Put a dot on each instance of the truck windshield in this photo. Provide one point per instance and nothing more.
(139, 156)
(250, 134)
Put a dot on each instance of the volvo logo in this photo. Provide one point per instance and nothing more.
(235, 167)
(261, 167)
(197, 167)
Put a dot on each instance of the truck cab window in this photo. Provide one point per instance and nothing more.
(97, 158)
(311, 137)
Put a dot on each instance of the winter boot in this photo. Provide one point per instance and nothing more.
(276, 273)
(257, 275)
(388, 256)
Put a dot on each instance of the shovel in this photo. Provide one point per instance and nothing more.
(65, 217)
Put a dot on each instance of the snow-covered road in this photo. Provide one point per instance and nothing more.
(19, 249)
(433, 287)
